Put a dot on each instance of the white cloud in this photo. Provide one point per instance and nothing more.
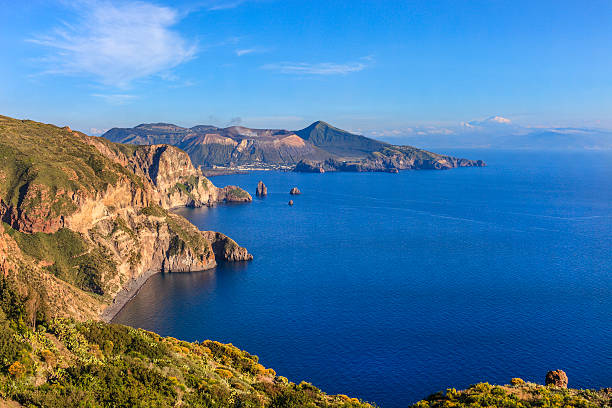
(499, 119)
(97, 132)
(247, 51)
(115, 99)
(223, 4)
(321, 68)
(492, 120)
(116, 42)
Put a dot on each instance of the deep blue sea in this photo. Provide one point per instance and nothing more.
(390, 287)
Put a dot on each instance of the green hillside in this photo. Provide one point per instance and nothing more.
(339, 142)
(65, 363)
(41, 166)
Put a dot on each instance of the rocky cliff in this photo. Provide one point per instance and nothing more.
(176, 181)
(92, 216)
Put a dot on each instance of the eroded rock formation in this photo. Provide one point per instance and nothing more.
(262, 190)
(556, 378)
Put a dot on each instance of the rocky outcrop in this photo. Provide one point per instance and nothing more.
(6, 266)
(226, 248)
(556, 378)
(308, 166)
(233, 194)
(262, 190)
(295, 191)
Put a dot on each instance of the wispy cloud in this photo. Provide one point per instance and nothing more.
(115, 99)
(223, 4)
(251, 50)
(116, 42)
(321, 68)
(246, 51)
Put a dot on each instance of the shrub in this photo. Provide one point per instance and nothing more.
(48, 357)
(107, 346)
(223, 373)
(17, 369)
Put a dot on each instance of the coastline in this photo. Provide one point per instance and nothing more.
(130, 290)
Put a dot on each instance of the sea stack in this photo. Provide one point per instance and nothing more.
(295, 191)
(262, 190)
(290, 202)
(556, 378)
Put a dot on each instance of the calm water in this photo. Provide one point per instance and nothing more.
(390, 287)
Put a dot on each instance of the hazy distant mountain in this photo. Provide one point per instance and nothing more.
(318, 147)
(497, 132)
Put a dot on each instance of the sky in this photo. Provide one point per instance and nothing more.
(379, 67)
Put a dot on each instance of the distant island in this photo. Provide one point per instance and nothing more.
(317, 148)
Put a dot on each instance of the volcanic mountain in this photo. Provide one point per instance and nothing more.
(317, 148)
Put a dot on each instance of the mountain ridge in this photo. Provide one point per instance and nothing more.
(317, 146)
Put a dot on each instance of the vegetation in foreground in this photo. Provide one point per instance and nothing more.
(65, 363)
(518, 394)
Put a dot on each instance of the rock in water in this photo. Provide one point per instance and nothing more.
(262, 190)
(556, 378)
(290, 202)
(307, 166)
(295, 191)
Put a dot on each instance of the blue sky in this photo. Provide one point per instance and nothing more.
(379, 66)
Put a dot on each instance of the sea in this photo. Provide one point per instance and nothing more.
(391, 287)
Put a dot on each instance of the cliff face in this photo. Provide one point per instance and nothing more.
(92, 216)
(169, 170)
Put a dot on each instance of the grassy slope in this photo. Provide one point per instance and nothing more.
(64, 363)
(68, 256)
(50, 163)
(518, 394)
